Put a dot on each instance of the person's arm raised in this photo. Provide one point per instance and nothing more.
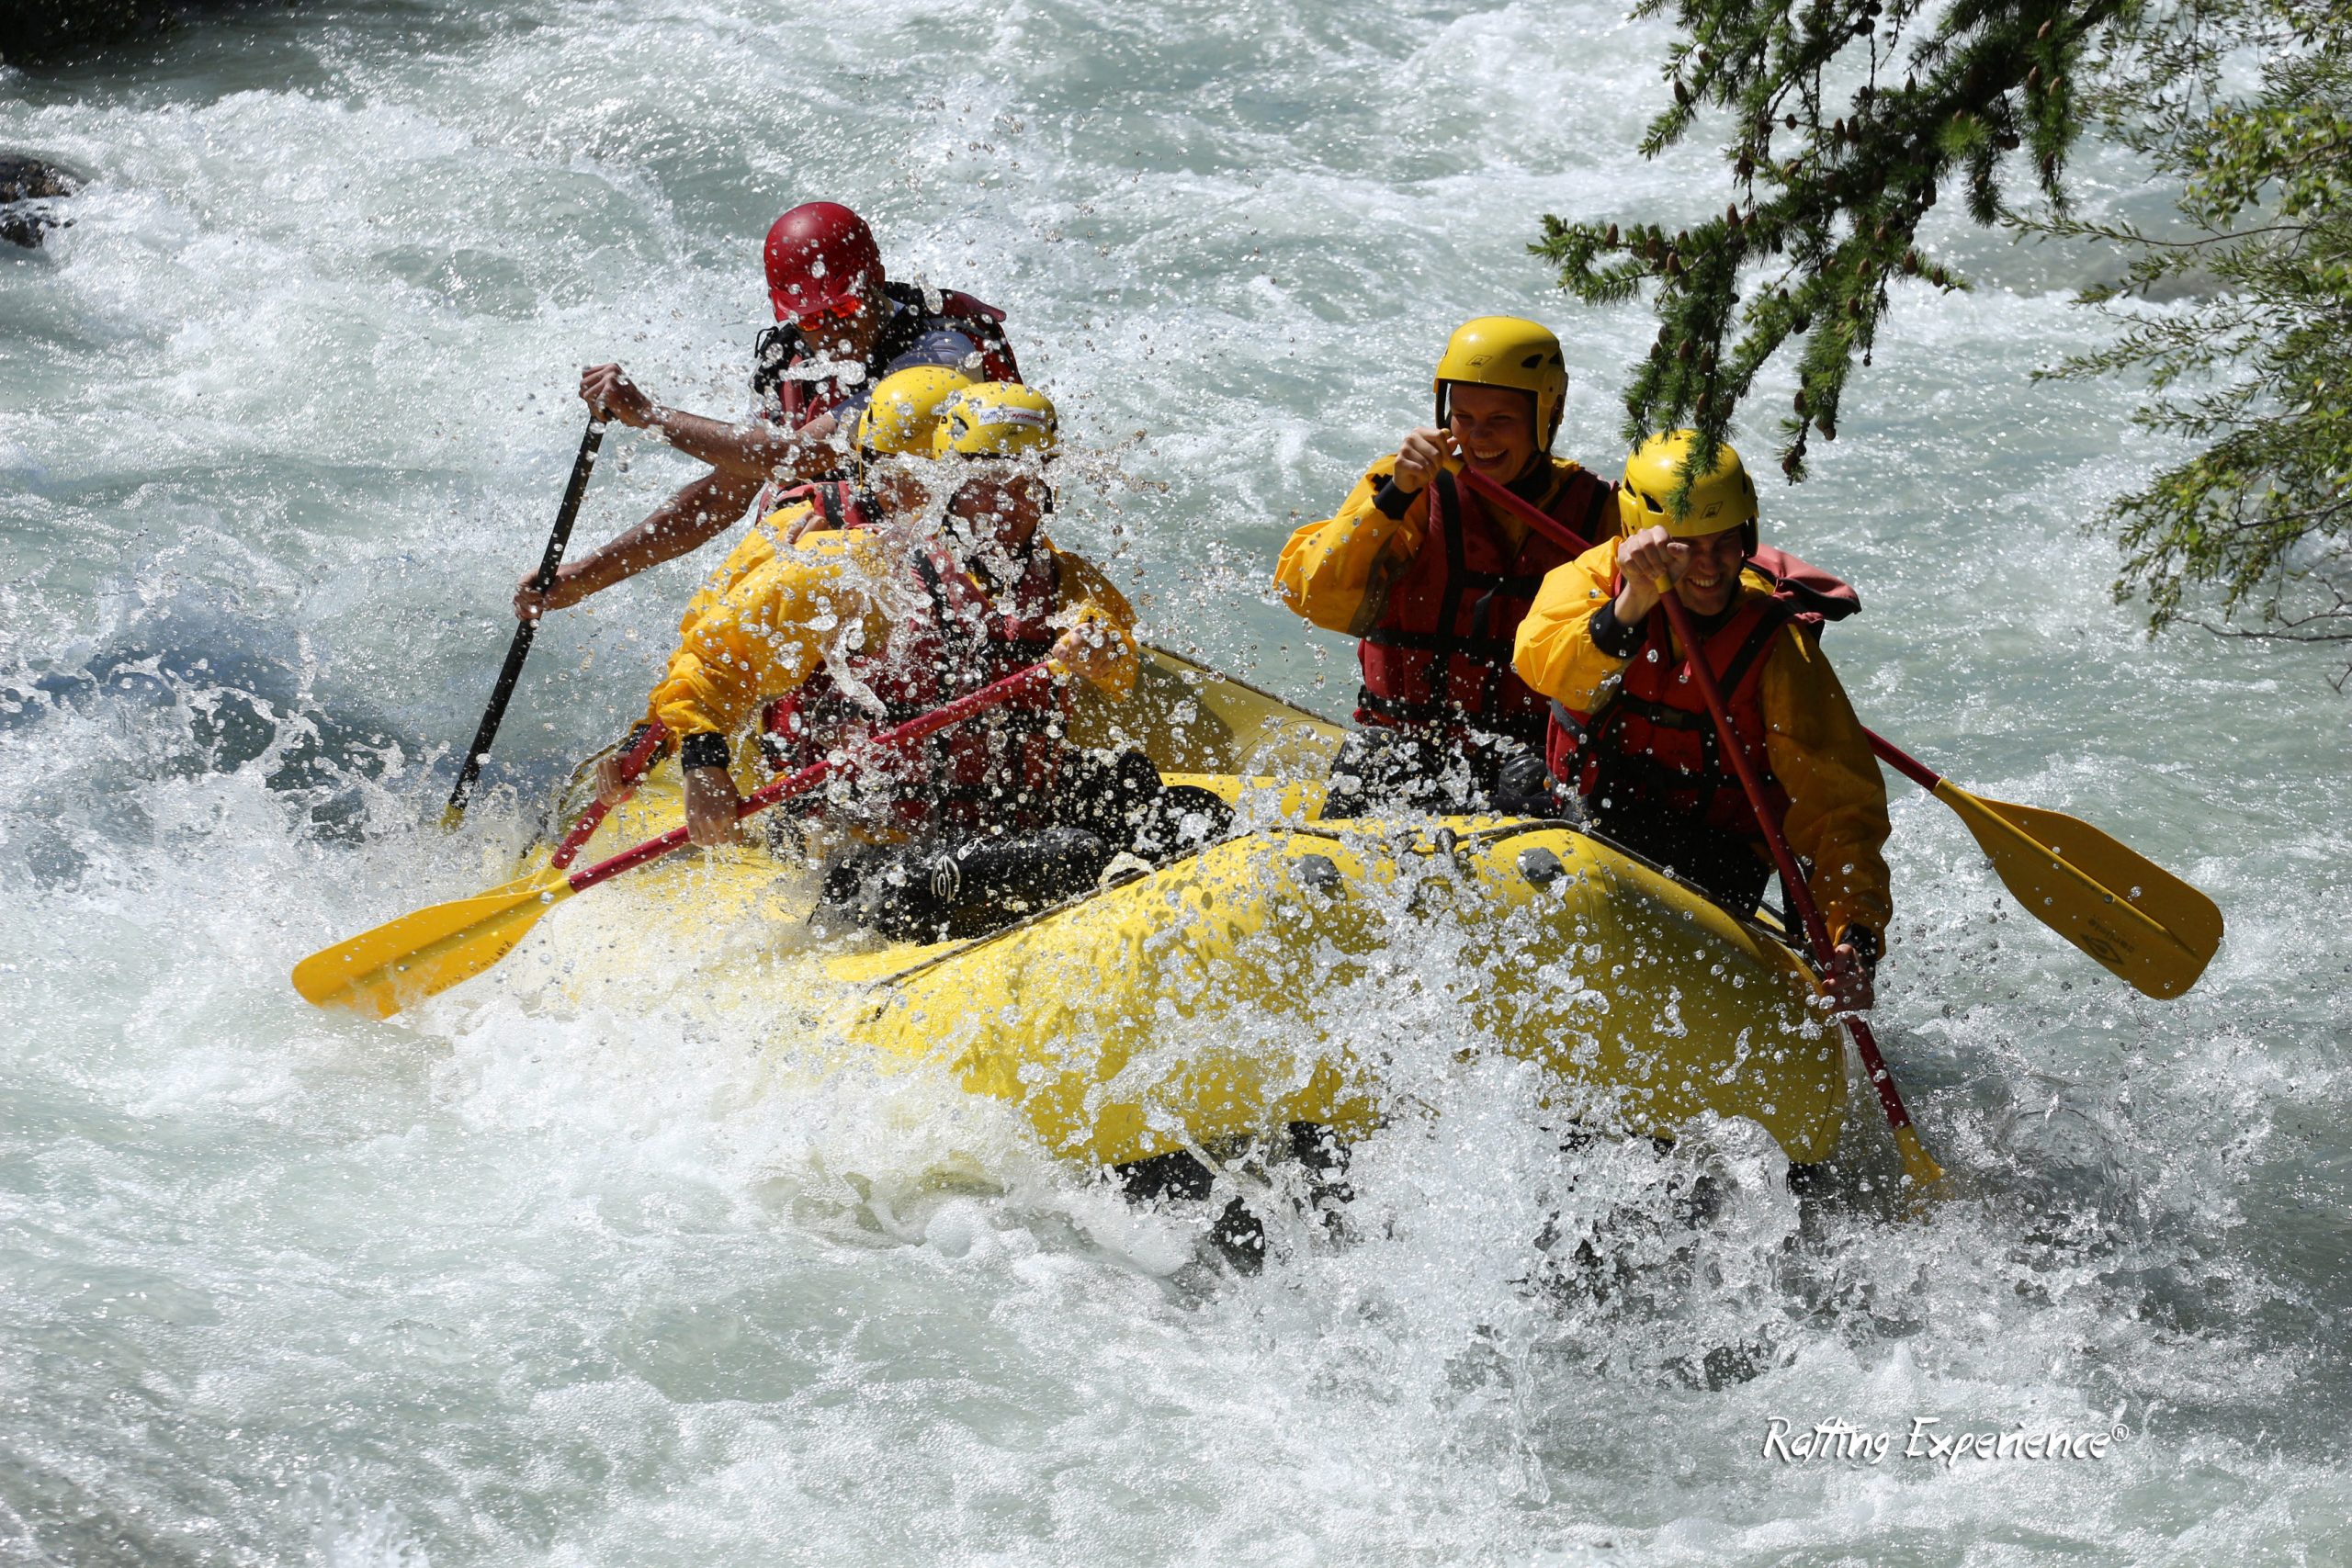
(1646, 561)
(755, 449)
(1336, 573)
(762, 450)
(698, 514)
(1419, 458)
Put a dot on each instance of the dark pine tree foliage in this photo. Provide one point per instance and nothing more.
(1827, 195)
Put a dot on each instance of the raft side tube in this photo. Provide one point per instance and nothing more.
(1217, 999)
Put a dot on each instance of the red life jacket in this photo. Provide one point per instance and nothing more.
(782, 348)
(1439, 658)
(1663, 742)
(1654, 738)
(997, 770)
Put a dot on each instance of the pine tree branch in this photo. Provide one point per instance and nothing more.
(1836, 218)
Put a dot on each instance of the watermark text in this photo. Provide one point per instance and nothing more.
(1926, 1437)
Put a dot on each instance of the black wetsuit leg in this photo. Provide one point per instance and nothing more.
(1521, 785)
(931, 890)
(936, 890)
(1381, 769)
(1724, 864)
(1395, 769)
(1121, 798)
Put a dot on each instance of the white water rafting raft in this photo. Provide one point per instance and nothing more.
(1195, 1004)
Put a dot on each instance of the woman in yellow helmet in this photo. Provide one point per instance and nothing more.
(1631, 734)
(1435, 584)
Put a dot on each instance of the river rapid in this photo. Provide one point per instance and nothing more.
(288, 406)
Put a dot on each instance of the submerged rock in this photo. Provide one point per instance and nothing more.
(29, 189)
(27, 179)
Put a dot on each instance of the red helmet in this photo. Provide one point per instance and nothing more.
(821, 256)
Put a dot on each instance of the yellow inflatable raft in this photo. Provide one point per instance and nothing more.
(1233, 993)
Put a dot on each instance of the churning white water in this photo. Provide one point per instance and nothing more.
(286, 408)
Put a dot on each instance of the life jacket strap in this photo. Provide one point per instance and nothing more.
(1483, 651)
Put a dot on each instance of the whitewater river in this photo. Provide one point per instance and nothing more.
(286, 408)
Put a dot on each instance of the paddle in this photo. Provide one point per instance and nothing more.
(2145, 925)
(2141, 922)
(520, 648)
(633, 765)
(425, 953)
(1918, 1165)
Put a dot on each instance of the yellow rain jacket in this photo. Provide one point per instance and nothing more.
(1836, 815)
(770, 630)
(1337, 573)
(758, 547)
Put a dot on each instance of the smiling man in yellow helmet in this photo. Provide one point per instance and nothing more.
(1633, 736)
(1433, 582)
(848, 633)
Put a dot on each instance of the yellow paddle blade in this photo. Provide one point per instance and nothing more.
(1919, 1166)
(2141, 922)
(425, 953)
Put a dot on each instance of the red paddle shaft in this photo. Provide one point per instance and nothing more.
(1910, 767)
(1551, 527)
(633, 766)
(1816, 935)
(1524, 510)
(1019, 683)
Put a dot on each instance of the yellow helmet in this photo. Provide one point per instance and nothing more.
(997, 419)
(1724, 497)
(1506, 351)
(903, 414)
